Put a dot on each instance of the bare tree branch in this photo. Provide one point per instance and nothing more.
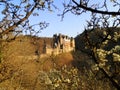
(19, 22)
(94, 10)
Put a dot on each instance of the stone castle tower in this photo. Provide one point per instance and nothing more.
(61, 43)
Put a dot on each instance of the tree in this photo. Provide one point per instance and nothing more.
(104, 44)
(15, 20)
(15, 16)
(102, 7)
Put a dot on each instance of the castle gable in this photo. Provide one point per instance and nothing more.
(61, 43)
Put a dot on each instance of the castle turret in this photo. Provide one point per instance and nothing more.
(72, 43)
(61, 43)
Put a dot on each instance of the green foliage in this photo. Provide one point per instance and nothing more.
(104, 46)
(70, 78)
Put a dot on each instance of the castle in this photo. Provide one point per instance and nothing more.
(61, 43)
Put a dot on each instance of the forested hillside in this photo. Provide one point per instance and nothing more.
(26, 45)
(80, 69)
(103, 46)
(96, 37)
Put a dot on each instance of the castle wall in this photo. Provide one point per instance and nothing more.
(61, 43)
(49, 51)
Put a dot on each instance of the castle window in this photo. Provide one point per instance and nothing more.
(61, 46)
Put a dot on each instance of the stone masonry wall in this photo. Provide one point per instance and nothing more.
(61, 43)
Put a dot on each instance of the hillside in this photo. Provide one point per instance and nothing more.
(96, 37)
(103, 46)
(27, 45)
(22, 69)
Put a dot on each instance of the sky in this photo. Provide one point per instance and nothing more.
(71, 24)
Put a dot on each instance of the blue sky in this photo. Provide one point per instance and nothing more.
(71, 25)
